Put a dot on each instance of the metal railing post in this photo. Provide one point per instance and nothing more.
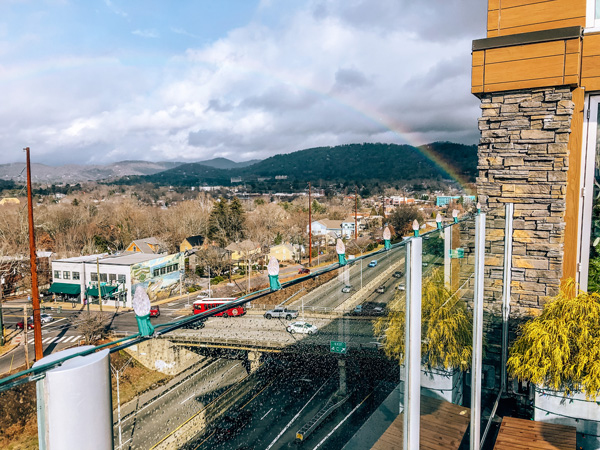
(506, 289)
(476, 366)
(412, 344)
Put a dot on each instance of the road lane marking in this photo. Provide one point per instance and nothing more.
(266, 414)
(340, 424)
(296, 416)
(160, 396)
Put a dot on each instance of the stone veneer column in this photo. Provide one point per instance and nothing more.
(523, 159)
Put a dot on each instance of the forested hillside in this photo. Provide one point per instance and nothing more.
(353, 163)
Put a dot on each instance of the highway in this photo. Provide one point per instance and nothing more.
(151, 422)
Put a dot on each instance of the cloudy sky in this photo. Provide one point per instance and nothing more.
(98, 81)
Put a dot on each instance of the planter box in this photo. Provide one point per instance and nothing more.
(441, 383)
(553, 407)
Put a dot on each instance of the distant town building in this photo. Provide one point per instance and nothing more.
(236, 179)
(240, 251)
(76, 279)
(443, 200)
(192, 243)
(149, 245)
(281, 177)
(284, 252)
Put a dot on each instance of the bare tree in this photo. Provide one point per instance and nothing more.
(93, 325)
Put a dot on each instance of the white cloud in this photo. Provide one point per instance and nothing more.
(334, 72)
(151, 34)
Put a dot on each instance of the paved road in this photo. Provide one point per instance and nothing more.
(151, 422)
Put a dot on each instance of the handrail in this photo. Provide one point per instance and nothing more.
(161, 329)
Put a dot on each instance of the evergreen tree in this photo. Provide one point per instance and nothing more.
(237, 220)
(217, 222)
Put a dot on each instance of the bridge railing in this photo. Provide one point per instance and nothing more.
(167, 397)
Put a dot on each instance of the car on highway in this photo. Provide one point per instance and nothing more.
(377, 311)
(380, 289)
(29, 324)
(154, 311)
(231, 424)
(373, 263)
(425, 264)
(281, 312)
(44, 318)
(346, 289)
(303, 270)
(202, 295)
(398, 274)
(301, 327)
(358, 309)
(401, 287)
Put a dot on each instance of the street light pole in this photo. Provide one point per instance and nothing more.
(99, 291)
(117, 375)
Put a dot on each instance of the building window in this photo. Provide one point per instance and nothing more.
(103, 278)
(76, 275)
(57, 274)
(112, 277)
(156, 272)
(66, 275)
(593, 14)
(93, 276)
(121, 278)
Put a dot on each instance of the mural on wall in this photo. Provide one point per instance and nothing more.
(159, 277)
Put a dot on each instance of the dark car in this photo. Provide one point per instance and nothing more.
(303, 270)
(232, 423)
(29, 324)
(398, 274)
(154, 311)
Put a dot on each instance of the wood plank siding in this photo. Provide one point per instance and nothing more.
(553, 63)
(507, 17)
(590, 62)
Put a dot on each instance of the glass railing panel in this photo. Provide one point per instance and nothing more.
(492, 324)
(245, 380)
(447, 332)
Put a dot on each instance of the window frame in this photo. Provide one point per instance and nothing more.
(586, 191)
(76, 275)
(66, 275)
(591, 23)
(57, 274)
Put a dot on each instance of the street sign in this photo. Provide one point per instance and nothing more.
(457, 253)
(337, 347)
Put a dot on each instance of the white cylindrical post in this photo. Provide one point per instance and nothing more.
(447, 259)
(477, 334)
(412, 344)
(77, 402)
(506, 291)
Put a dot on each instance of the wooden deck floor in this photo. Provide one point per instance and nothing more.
(443, 426)
(520, 434)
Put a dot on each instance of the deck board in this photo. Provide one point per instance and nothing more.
(443, 426)
(520, 434)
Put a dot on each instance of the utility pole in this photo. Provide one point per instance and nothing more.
(309, 228)
(25, 323)
(35, 296)
(99, 291)
(1, 317)
(355, 213)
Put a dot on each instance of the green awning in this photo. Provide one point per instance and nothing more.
(106, 291)
(65, 288)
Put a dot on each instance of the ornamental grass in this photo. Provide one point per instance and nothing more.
(560, 349)
(446, 328)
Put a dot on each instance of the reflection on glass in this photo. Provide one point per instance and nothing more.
(594, 267)
(597, 9)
